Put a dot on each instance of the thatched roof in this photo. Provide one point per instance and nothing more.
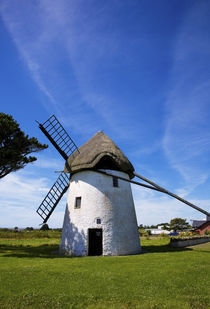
(98, 153)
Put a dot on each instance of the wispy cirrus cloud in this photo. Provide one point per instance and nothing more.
(154, 206)
(187, 140)
(64, 45)
(76, 52)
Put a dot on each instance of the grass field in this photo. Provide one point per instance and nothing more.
(33, 276)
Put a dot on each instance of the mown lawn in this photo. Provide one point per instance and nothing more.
(33, 276)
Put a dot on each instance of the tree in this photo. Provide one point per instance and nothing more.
(15, 146)
(29, 228)
(164, 226)
(153, 226)
(44, 227)
(179, 224)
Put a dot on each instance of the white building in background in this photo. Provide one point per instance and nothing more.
(100, 217)
(158, 231)
(161, 226)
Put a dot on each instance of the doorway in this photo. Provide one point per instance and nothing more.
(95, 242)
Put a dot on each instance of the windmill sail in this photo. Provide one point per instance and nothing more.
(58, 136)
(60, 139)
(53, 197)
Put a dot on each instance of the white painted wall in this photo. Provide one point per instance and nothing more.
(113, 205)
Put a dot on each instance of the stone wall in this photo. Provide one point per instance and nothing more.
(178, 243)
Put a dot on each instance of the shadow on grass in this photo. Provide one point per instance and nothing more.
(167, 248)
(51, 251)
(42, 251)
(163, 248)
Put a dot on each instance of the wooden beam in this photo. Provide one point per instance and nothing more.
(128, 180)
(172, 194)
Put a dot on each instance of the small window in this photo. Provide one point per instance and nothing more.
(115, 181)
(78, 202)
(98, 221)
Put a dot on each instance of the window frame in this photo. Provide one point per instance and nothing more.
(77, 199)
(98, 219)
(115, 182)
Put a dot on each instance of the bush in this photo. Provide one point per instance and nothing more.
(143, 232)
(164, 235)
(44, 227)
(187, 234)
(207, 232)
(29, 228)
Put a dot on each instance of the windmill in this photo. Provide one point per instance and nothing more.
(100, 217)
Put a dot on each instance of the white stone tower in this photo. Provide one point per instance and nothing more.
(100, 216)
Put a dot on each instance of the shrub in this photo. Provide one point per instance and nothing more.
(29, 228)
(143, 232)
(187, 234)
(164, 235)
(207, 232)
(44, 227)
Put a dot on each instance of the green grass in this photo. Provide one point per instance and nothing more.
(24, 234)
(33, 276)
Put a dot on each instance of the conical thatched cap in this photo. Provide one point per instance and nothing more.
(100, 152)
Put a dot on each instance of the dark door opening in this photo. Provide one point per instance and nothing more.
(95, 242)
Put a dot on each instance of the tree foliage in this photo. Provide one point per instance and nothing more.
(45, 227)
(15, 146)
(179, 224)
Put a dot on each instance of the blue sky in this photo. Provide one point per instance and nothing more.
(138, 70)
